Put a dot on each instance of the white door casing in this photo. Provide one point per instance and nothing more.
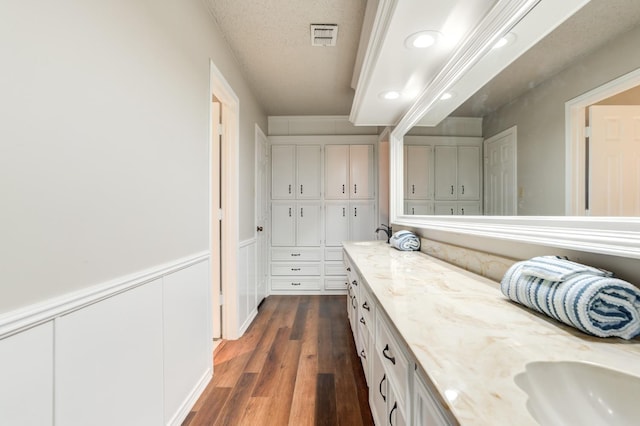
(500, 177)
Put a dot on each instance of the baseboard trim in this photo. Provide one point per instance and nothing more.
(248, 322)
(188, 403)
(22, 319)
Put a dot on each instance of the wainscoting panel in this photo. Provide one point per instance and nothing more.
(188, 359)
(26, 377)
(108, 361)
(247, 285)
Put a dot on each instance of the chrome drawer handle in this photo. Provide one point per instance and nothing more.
(390, 358)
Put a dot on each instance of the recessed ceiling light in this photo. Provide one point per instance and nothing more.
(422, 39)
(508, 39)
(446, 95)
(390, 95)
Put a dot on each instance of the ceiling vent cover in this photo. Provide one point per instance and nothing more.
(324, 34)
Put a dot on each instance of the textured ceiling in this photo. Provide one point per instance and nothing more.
(271, 41)
(598, 22)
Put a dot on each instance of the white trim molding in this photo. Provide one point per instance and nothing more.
(22, 319)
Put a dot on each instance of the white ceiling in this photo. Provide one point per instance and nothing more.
(271, 41)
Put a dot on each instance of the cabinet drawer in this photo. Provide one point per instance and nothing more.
(334, 254)
(362, 346)
(295, 284)
(393, 359)
(296, 269)
(334, 268)
(336, 283)
(364, 328)
(295, 254)
(367, 309)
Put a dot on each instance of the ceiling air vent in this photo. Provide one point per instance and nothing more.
(324, 34)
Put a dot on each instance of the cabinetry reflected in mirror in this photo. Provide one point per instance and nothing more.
(513, 148)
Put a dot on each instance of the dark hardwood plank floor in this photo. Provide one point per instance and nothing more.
(295, 365)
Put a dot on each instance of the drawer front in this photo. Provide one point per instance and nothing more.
(393, 359)
(296, 269)
(336, 283)
(367, 308)
(333, 254)
(334, 268)
(362, 346)
(378, 390)
(295, 254)
(365, 326)
(295, 284)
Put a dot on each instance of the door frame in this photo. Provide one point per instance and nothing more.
(229, 162)
(575, 156)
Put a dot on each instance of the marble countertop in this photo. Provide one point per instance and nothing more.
(469, 339)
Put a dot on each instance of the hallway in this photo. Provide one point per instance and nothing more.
(295, 365)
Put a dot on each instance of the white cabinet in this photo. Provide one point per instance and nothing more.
(349, 172)
(349, 221)
(295, 224)
(295, 172)
(426, 411)
(418, 172)
(418, 207)
(458, 209)
(457, 172)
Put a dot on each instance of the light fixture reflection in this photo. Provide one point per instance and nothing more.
(446, 95)
(390, 95)
(508, 39)
(422, 39)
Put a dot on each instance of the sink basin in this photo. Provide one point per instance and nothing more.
(580, 393)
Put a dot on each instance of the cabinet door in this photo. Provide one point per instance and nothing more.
(446, 161)
(362, 221)
(469, 172)
(361, 172)
(336, 172)
(378, 390)
(426, 411)
(395, 415)
(337, 223)
(283, 171)
(308, 172)
(469, 209)
(283, 224)
(308, 224)
(418, 207)
(419, 165)
(448, 209)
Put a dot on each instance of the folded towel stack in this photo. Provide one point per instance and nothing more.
(405, 240)
(587, 298)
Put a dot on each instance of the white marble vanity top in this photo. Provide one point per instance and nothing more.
(469, 339)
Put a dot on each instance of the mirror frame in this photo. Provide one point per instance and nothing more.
(604, 235)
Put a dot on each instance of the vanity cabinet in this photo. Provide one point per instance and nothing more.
(349, 172)
(398, 394)
(457, 172)
(295, 172)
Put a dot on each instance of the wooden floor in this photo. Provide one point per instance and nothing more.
(295, 365)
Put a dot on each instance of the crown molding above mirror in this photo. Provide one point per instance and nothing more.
(470, 67)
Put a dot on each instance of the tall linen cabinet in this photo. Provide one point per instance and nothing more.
(323, 192)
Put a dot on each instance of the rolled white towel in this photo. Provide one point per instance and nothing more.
(591, 301)
(405, 240)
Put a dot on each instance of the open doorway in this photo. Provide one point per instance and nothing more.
(578, 163)
(223, 205)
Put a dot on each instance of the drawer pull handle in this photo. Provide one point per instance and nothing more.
(363, 321)
(362, 354)
(365, 305)
(390, 358)
(289, 188)
(463, 212)
(295, 254)
(343, 189)
(355, 282)
(348, 269)
(413, 189)
(301, 192)
(353, 302)
(295, 283)
(384, 377)
(462, 189)
(395, 406)
(451, 189)
(295, 269)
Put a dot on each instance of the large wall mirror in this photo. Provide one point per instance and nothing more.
(547, 151)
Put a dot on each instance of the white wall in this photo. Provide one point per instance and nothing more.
(103, 140)
(539, 114)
